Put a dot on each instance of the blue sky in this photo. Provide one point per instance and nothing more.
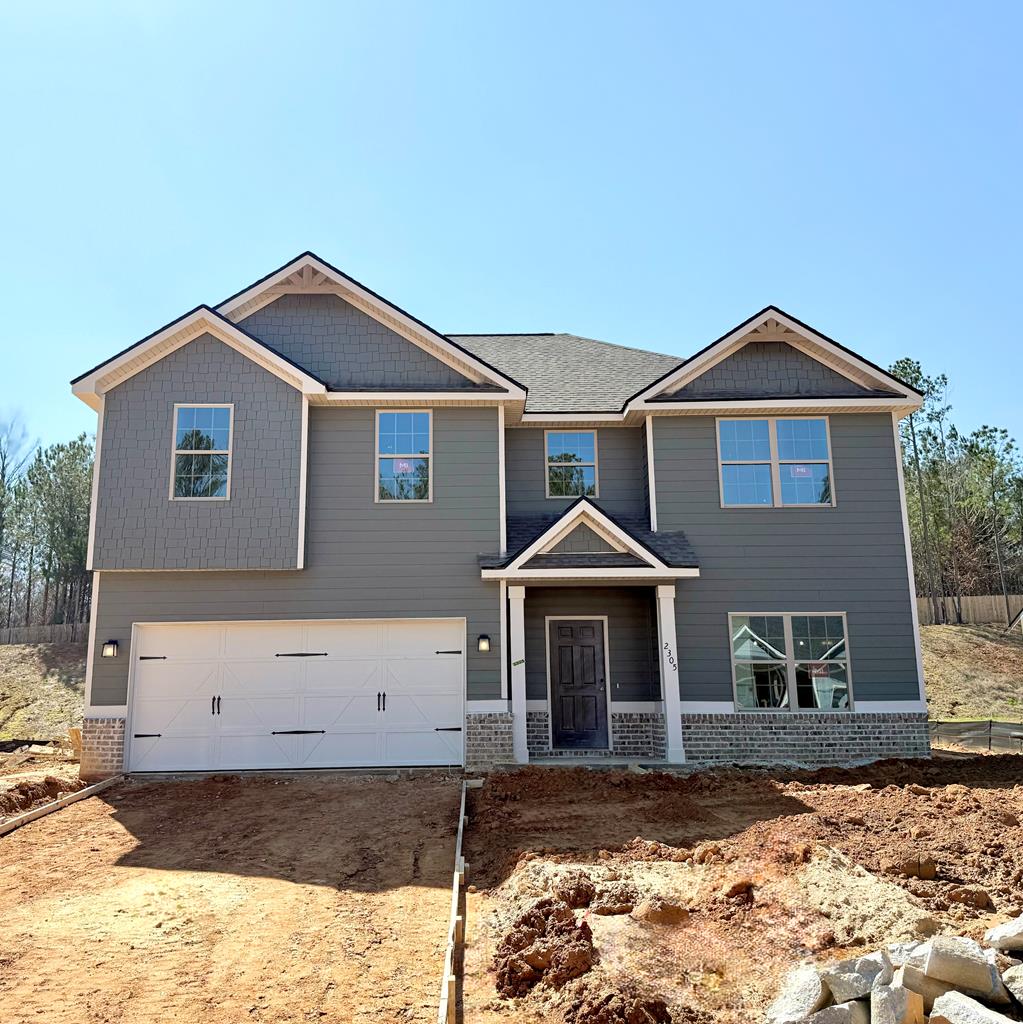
(645, 173)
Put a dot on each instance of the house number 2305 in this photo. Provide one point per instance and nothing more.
(670, 655)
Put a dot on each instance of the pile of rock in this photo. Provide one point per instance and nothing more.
(946, 980)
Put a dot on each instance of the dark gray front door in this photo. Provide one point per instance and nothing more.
(578, 688)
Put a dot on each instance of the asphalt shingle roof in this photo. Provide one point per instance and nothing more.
(671, 547)
(567, 373)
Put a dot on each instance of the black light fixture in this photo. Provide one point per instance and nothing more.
(110, 649)
(483, 643)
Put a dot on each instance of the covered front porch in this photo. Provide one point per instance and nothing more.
(588, 624)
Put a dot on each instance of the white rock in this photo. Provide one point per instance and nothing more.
(893, 1004)
(853, 979)
(914, 979)
(1013, 979)
(964, 964)
(1007, 937)
(802, 993)
(852, 1012)
(913, 953)
(955, 1008)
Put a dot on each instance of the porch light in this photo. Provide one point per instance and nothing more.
(110, 649)
(483, 643)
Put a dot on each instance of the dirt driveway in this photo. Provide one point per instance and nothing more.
(310, 898)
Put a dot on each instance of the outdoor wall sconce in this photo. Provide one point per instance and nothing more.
(483, 643)
(110, 649)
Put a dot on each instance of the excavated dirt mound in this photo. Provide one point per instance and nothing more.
(26, 794)
(763, 869)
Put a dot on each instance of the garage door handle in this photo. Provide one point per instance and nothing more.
(447, 652)
(218, 705)
(385, 701)
(298, 732)
(213, 705)
(448, 728)
(378, 700)
(303, 654)
(146, 735)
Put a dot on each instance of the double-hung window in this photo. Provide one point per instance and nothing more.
(571, 463)
(775, 462)
(404, 456)
(202, 451)
(790, 662)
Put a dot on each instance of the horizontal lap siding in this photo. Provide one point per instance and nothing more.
(631, 636)
(849, 558)
(621, 466)
(363, 559)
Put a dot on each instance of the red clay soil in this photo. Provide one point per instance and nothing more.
(266, 900)
(754, 837)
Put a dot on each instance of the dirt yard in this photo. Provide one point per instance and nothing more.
(41, 690)
(689, 897)
(311, 898)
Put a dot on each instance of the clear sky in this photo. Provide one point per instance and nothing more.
(645, 173)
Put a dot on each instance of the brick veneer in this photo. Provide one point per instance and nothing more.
(488, 740)
(809, 738)
(538, 736)
(638, 734)
(102, 748)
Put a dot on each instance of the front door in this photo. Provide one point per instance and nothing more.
(578, 686)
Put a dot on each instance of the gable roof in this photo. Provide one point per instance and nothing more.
(874, 380)
(310, 274)
(530, 539)
(568, 373)
(91, 385)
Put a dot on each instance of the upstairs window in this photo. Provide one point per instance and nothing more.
(775, 462)
(202, 451)
(404, 456)
(571, 463)
(790, 662)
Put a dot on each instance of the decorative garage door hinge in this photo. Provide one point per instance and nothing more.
(298, 732)
(146, 735)
(303, 654)
(152, 657)
(448, 728)
(447, 652)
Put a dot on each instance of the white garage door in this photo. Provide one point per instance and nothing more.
(297, 695)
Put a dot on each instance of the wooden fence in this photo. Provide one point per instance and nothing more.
(62, 633)
(989, 608)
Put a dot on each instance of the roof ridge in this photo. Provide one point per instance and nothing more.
(578, 337)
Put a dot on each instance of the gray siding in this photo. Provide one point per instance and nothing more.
(772, 369)
(581, 539)
(621, 465)
(364, 560)
(346, 347)
(632, 636)
(138, 526)
(848, 558)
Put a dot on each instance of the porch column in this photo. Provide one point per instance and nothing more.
(517, 650)
(668, 653)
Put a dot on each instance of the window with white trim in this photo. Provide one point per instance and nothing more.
(775, 462)
(571, 463)
(790, 662)
(404, 470)
(202, 451)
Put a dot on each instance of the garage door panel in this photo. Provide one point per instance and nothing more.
(276, 676)
(336, 696)
(347, 676)
(263, 640)
(340, 712)
(421, 746)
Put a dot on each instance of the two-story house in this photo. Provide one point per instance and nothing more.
(325, 535)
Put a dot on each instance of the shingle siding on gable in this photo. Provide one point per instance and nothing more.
(346, 347)
(581, 539)
(139, 527)
(770, 369)
(849, 558)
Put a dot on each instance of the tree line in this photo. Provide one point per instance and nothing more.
(44, 528)
(965, 499)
